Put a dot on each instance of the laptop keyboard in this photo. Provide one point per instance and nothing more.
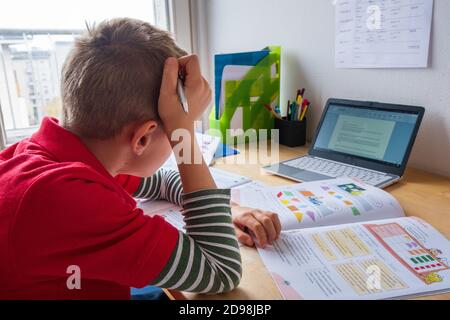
(336, 170)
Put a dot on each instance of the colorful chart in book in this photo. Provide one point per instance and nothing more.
(356, 196)
(322, 203)
(351, 195)
(305, 203)
(352, 188)
(326, 201)
(405, 248)
(292, 202)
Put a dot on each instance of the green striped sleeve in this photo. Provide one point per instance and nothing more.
(207, 258)
(164, 185)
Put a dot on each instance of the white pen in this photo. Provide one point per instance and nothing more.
(182, 95)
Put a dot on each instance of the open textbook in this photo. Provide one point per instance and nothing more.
(344, 239)
(341, 239)
(383, 259)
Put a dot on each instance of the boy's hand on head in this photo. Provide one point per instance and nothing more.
(198, 94)
(258, 226)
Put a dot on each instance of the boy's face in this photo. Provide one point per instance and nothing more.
(156, 153)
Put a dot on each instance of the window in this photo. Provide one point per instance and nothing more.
(35, 38)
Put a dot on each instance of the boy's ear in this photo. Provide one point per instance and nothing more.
(142, 136)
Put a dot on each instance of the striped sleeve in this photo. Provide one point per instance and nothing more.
(164, 185)
(207, 258)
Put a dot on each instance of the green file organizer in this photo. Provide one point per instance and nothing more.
(259, 87)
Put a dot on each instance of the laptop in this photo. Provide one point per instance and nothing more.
(369, 141)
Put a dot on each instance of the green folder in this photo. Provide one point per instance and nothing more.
(259, 87)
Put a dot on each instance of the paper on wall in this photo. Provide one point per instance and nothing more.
(383, 34)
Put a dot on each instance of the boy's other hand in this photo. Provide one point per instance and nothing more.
(197, 89)
(257, 226)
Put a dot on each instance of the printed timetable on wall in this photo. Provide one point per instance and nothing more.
(383, 33)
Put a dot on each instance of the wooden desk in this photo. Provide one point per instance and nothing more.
(420, 194)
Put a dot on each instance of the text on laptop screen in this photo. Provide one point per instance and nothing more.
(367, 133)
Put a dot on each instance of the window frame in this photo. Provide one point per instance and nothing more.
(162, 14)
(35, 32)
(181, 22)
(189, 24)
(176, 16)
(2, 131)
(185, 19)
(168, 14)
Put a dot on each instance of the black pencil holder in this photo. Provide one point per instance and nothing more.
(292, 133)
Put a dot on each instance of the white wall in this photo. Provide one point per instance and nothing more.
(305, 29)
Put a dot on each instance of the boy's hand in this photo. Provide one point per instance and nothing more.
(198, 94)
(194, 176)
(265, 226)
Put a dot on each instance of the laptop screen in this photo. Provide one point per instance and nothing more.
(367, 133)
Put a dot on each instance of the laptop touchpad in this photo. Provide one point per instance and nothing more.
(310, 176)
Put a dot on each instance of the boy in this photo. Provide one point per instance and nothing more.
(66, 193)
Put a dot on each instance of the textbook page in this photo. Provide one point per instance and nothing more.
(385, 259)
(323, 203)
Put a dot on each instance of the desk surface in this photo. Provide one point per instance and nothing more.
(420, 194)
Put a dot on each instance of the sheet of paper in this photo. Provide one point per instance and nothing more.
(208, 145)
(254, 186)
(383, 33)
(323, 203)
(170, 212)
(151, 208)
(385, 259)
(228, 180)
